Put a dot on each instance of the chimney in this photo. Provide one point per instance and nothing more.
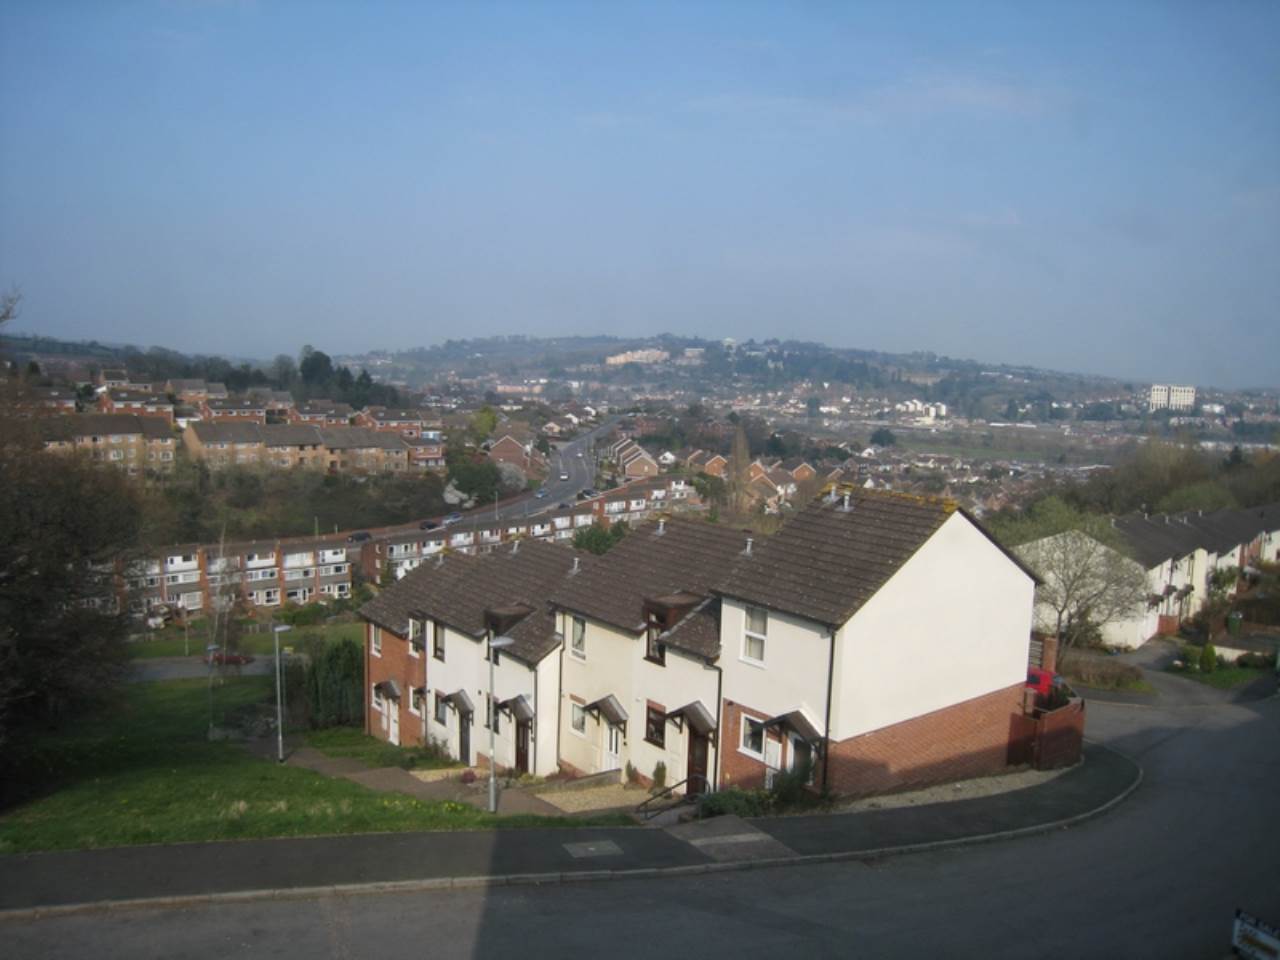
(750, 541)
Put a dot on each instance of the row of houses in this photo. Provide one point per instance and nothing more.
(330, 448)
(300, 570)
(877, 641)
(1179, 556)
(197, 578)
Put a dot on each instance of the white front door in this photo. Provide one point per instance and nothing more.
(393, 712)
(612, 747)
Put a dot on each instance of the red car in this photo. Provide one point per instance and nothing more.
(1042, 681)
(220, 658)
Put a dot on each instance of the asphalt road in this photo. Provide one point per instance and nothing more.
(581, 471)
(1160, 876)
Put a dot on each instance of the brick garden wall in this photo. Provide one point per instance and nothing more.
(969, 739)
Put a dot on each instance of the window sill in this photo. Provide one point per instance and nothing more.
(658, 661)
(578, 656)
(759, 664)
(660, 744)
(759, 757)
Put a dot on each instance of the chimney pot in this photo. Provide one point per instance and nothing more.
(750, 541)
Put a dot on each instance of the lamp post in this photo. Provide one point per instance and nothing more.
(496, 643)
(276, 630)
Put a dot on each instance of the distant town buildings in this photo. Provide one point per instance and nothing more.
(1166, 396)
(637, 356)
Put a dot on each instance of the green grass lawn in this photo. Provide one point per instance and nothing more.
(1223, 678)
(143, 771)
(171, 642)
(356, 744)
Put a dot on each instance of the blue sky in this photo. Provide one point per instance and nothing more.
(1079, 186)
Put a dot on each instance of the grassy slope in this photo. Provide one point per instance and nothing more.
(355, 744)
(143, 772)
(170, 641)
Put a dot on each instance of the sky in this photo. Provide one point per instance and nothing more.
(1079, 186)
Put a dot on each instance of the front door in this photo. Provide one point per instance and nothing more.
(522, 746)
(612, 747)
(464, 737)
(697, 768)
(393, 715)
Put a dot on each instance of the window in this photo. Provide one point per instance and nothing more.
(578, 719)
(579, 637)
(375, 645)
(654, 651)
(655, 727)
(442, 710)
(437, 640)
(752, 737)
(378, 703)
(415, 638)
(753, 641)
(415, 701)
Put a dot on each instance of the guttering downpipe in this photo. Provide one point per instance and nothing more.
(826, 728)
(715, 770)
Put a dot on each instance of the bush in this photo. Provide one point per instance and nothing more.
(633, 775)
(734, 801)
(659, 776)
(1208, 658)
(1100, 672)
(1254, 661)
(335, 685)
(791, 786)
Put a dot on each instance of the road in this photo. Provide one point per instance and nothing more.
(1160, 876)
(565, 459)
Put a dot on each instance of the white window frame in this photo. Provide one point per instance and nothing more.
(440, 710)
(749, 635)
(578, 637)
(744, 720)
(379, 704)
(416, 711)
(375, 642)
(578, 712)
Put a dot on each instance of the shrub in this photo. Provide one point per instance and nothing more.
(1208, 658)
(734, 801)
(335, 685)
(659, 776)
(633, 775)
(1100, 672)
(1255, 661)
(790, 786)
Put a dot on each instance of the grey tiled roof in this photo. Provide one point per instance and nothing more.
(828, 561)
(458, 591)
(690, 555)
(698, 632)
(226, 431)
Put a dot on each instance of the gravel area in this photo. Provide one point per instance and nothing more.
(609, 797)
(964, 790)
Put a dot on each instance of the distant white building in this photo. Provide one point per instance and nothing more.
(1166, 396)
(637, 356)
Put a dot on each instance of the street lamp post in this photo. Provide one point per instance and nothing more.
(276, 630)
(497, 643)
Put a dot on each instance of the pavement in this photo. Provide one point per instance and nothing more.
(190, 873)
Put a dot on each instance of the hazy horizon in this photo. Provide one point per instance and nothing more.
(1091, 188)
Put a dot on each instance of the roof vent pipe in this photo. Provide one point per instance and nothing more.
(662, 526)
(515, 547)
(846, 501)
(750, 541)
(576, 562)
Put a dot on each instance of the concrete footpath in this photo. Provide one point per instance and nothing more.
(261, 869)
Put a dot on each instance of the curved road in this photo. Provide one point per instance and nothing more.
(1160, 876)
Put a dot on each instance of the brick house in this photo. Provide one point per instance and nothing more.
(136, 402)
(523, 455)
(406, 423)
(427, 656)
(882, 638)
(233, 409)
(132, 443)
(323, 413)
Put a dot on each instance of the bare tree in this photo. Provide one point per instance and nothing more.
(1086, 582)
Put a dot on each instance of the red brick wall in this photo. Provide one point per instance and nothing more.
(1060, 736)
(738, 769)
(408, 672)
(969, 739)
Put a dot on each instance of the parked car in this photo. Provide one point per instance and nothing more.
(428, 525)
(542, 492)
(564, 506)
(220, 658)
(564, 475)
(1042, 681)
(452, 519)
(359, 536)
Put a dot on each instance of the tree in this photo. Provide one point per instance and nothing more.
(483, 422)
(738, 474)
(883, 437)
(69, 528)
(597, 539)
(1088, 582)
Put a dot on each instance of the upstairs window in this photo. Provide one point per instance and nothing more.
(375, 644)
(655, 651)
(579, 636)
(437, 640)
(754, 636)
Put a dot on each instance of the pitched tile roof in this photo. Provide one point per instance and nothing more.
(689, 555)
(828, 561)
(458, 591)
(698, 631)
